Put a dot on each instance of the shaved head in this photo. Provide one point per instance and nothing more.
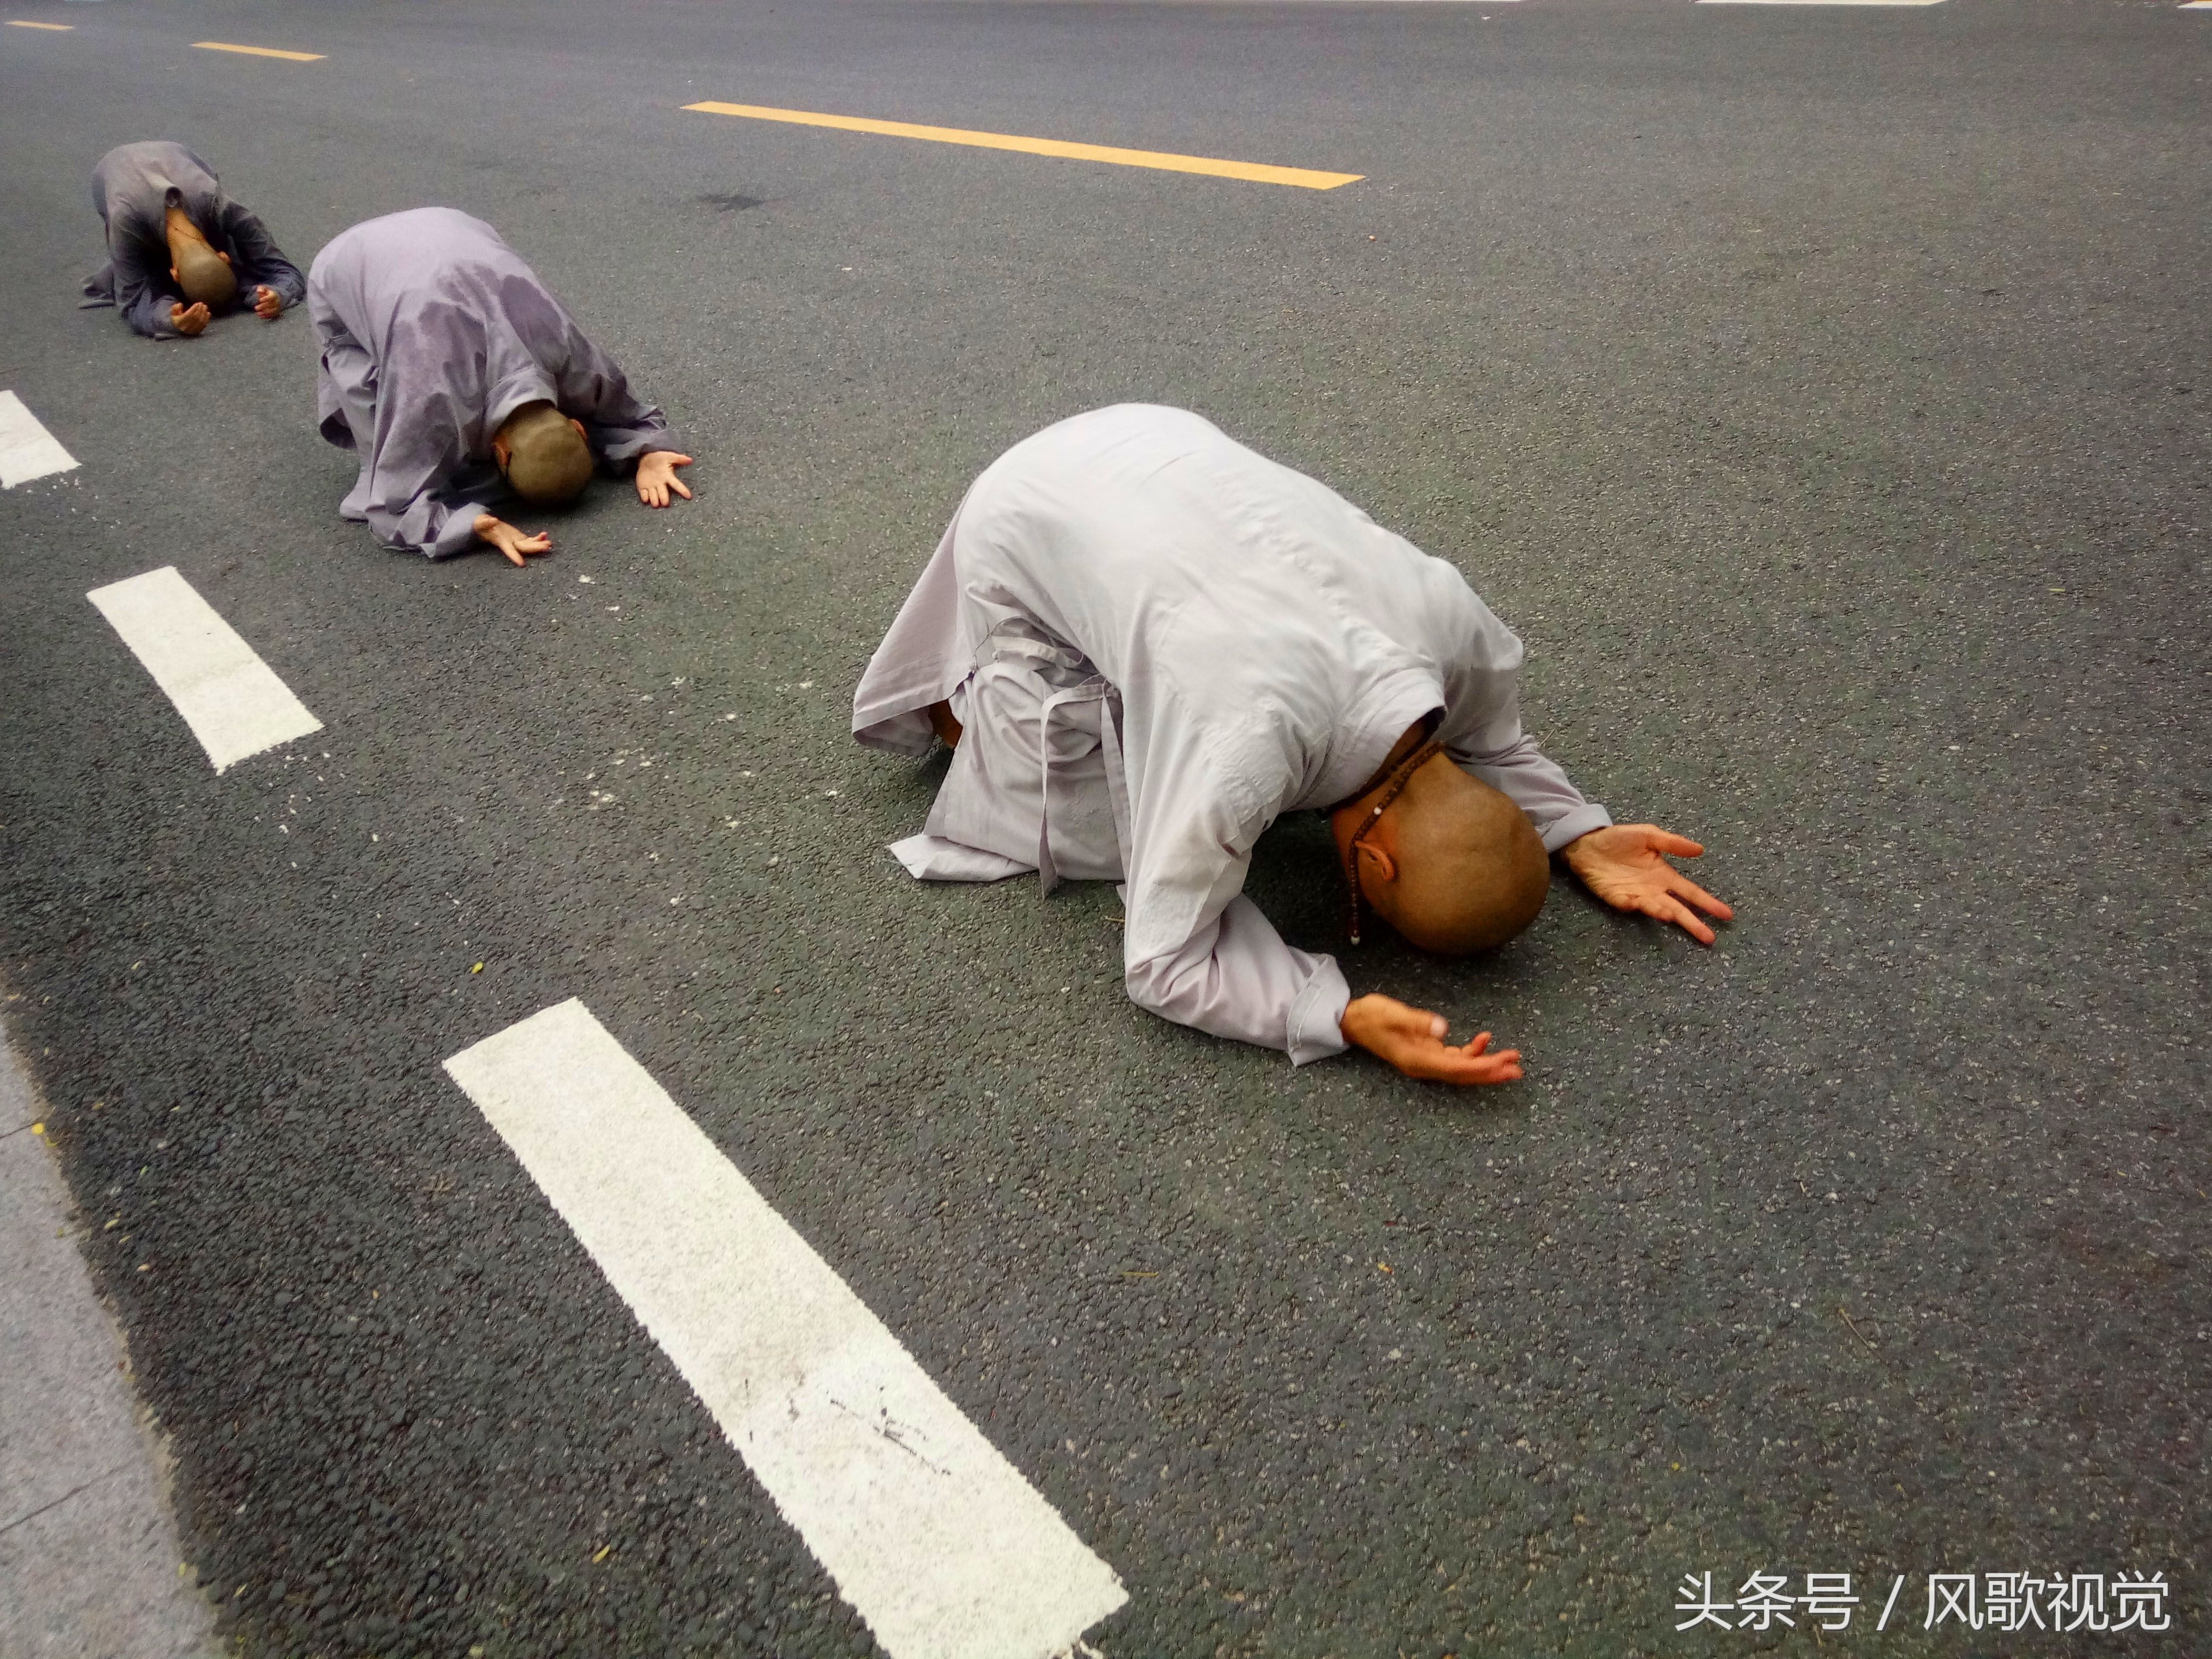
(548, 461)
(206, 278)
(1465, 870)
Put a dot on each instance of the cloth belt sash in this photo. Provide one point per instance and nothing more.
(1057, 708)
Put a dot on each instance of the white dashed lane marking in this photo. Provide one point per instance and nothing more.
(232, 700)
(936, 1539)
(27, 450)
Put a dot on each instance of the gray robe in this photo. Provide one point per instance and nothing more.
(1159, 641)
(434, 332)
(132, 190)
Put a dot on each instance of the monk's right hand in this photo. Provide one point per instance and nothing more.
(188, 320)
(1413, 1040)
(509, 540)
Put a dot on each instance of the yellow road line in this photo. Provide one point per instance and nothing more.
(261, 51)
(1259, 172)
(24, 23)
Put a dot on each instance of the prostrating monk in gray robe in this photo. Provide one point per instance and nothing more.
(178, 250)
(1146, 643)
(459, 380)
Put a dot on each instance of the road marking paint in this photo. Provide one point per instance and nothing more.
(25, 23)
(232, 700)
(261, 51)
(936, 1539)
(1304, 177)
(27, 450)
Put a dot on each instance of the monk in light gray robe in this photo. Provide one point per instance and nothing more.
(178, 250)
(460, 380)
(1146, 642)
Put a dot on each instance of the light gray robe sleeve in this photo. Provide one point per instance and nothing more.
(1481, 732)
(422, 515)
(619, 425)
(1235, 977)
(1507, 759)
(1195, 950)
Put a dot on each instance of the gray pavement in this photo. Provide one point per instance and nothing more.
(89, 1566)
(1820, 390)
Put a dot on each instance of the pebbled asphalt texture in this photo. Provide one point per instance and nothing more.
(1823, 392)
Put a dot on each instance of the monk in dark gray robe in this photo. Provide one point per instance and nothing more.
(460, 380)
(178, 250)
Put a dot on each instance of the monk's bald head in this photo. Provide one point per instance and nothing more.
(1463, 870)
(546, 458)
(205, 275)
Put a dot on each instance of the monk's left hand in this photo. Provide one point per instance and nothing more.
(1626, 865)
(656, 477)
(267, 302)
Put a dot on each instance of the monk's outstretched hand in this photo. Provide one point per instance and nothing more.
(1413, 1040)
(267, 302)
(657, 479)
(1626, 865)
(509, 540)
(188, 320)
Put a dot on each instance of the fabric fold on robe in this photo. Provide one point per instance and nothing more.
(133, 187)
(1263, 644)
(433, 332)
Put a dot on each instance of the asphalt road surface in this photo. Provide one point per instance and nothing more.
(1821, 390)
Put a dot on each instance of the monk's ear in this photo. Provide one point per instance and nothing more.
(1376, 867)
(578, 425)
(501, 451)
(173, 278)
